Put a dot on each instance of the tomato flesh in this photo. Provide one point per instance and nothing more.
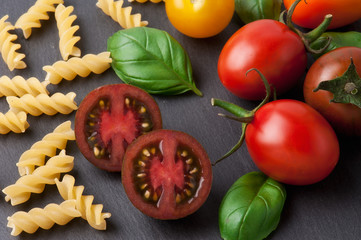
(345, 118)
(292, 143)
(271, 47)
(166, 174)
(109, 119)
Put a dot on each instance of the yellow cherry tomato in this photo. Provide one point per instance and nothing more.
(199, 18)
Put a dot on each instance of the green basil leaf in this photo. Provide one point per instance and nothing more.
(151, 59)
(252, 10)
(252, 207)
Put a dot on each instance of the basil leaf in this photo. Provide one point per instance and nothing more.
(151, 59)
(252, 10)
(251, 208)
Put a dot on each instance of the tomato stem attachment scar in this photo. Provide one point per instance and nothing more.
(240, 114)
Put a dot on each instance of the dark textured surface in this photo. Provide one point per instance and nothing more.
(327, 210)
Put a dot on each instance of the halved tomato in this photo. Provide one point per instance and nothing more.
(109, 119)
(166, 174)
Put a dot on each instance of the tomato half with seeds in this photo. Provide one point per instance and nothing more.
(109, 119)
(167, 174)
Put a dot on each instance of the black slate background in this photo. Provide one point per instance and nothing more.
(323, 211)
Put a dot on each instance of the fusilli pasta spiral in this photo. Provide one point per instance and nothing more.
(42, 217)
(68, 70)
(18, 86)
(9, 49)
(20, 191)
(64, 22)
(143, 1)
(121, 14)
(90, 212)
(14, 122)
(39, 11)
(46, 147)
(43, 103)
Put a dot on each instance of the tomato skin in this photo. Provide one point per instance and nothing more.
(292, 143)
(269, 46)
(345, 118)
(200, 18)
(310, 15)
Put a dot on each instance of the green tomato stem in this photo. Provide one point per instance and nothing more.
(231, 108)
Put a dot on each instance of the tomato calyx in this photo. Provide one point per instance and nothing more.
(313, 35)
(346, 88)
(240, 114)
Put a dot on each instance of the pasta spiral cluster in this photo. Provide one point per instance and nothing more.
(31, 19)
(9, 49)
(90, 212)
(121, 14)
(143, 1)
(42, 217)
(43, 103)
(18, 86)
(20, 191)
(46, 147)
(15, 122)
(64, 22)
(68, 70)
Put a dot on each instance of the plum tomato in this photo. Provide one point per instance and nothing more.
(292, 143)
(309, 14)
(109, 119)
(166, 174)
(271, 47)
(200, 18)
(344, 117)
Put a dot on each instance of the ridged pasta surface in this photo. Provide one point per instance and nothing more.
(20, 191)
(8, 49)
(91, 212)
(43, 104)
(13, 122)
(75, 66)
(67, 40)
(120, 14)
(39, 11)
(18, 86)
(46, 147)
(42, 217)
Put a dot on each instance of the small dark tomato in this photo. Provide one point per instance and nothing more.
(344, 117)
(109, 119)
(166, 174)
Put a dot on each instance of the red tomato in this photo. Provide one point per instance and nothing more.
(345, 118)
(292, 143)
(269, 46)
(310, 15)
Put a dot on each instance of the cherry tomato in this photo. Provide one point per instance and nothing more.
(109, 119)
(292, 143)
(269, 46)
(345, 118)
(166, 174)
(199, 18)
(311, 14)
